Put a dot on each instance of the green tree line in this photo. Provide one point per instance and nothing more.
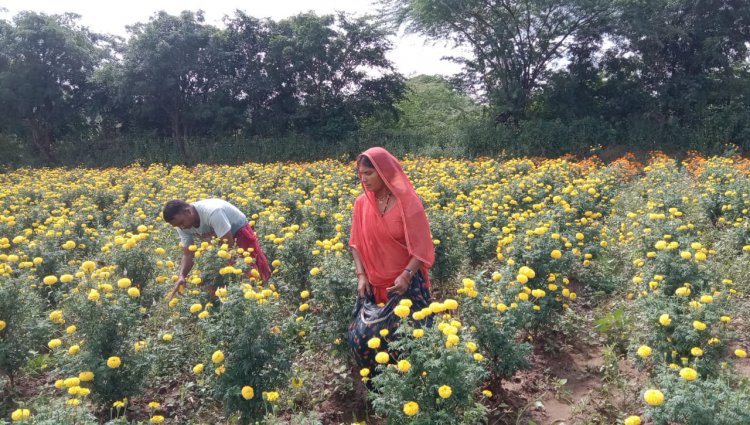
(544, 78)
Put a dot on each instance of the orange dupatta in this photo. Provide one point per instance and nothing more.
(383, 257)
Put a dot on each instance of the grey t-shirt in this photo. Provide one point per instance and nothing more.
(217, 217)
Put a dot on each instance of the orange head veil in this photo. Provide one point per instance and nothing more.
(416, 228)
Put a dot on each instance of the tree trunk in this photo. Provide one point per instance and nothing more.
(42, 140)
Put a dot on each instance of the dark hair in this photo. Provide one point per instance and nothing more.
(363, 159)
(172, 208)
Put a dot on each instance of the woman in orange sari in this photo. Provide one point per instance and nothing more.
(390, 241)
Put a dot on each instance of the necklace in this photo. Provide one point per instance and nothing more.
(385, 205)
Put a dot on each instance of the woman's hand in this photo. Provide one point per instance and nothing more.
(363, 286)
(400, 285)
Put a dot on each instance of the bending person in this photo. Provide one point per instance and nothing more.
(206, 219)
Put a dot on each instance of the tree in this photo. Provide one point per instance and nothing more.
(432, 107)
(329, 72)
(45, 65)
(168, 73)
(687, 55)
(514, 42)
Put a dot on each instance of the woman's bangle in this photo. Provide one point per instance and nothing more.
(411, 273)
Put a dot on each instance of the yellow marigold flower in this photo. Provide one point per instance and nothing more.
(374, 343)
(73, 402)
(364, 372)
(660, 245)
(74, 349)
(304, 307)
(114, 362)
(688, 374)
(203, 314)
(196, 308)
(445, 391)
(314, 271)
(134, 292)
(725, 319)
(198, 368)
(696, 351)
(644, 351)
(86, 376)
(403, 365)
(686, 255)
(698, 325)
(304, 294)
(276, 263)
(124, 283)
(450, 304)
(220, 370)
(54, 343)
(248, 392)
(93, 295)
(88, 266)
(522, 278)
(556, 254)
(154, 405)
(2, 325)
(56, 316)
(49, 280)
(401, 311)
(118, 404)
(272, 396)
(740, 353)
(538, 293)
(632, 420)
(471, 347)
(411, 408)
(217, 356)
(478, 357)
(653, 397)
(66, 278)
(166, 337)
(418, 333)
(157, 419)
(665, 320)
(382, 357)
(682, 291)
(20, 414)
(71, 382)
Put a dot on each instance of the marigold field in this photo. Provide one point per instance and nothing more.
(565, 291)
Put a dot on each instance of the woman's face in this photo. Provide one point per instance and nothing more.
(370, 178)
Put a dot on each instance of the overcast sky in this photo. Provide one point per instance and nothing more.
(411, 54)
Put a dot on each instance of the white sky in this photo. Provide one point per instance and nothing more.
(411, 54)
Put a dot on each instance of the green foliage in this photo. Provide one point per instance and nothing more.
(334, 293)
(719, 400)
(616, 327)
(433, 365)
(43, 76)
(250, 332)
(105, 328)
(25, 327)
(497, 329)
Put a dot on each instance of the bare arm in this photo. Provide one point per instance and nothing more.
(186, 264)
(363, 283)
(228, 239)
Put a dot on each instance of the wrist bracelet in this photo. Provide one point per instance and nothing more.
(409, 271)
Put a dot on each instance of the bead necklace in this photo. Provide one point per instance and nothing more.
(385, 206)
